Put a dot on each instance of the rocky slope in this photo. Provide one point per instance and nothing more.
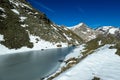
(23, 26)
(110, 35)
(85, 32)
(96, 38)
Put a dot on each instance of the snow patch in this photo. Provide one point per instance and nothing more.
(99, 42)
(77, 26)
(54, 27)
(3, 15)
(68, 38)
(24, 25)
(76, 42)
(26, 6)
(22, 18)
(15, 3)
(1, 37)
(36, 13)
(105, 28)
(76, 53)
(15, 11)
(2, 9)
(113, 30)
(80, 24)
(69, 27)
(30, 13)
(42, 44)
(65, 28)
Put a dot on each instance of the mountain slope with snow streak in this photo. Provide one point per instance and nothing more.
(20, 22)
(84, 32)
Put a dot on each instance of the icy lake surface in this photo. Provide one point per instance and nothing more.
(32, 65)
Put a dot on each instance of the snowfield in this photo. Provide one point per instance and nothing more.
(76, 52)
(103, 63)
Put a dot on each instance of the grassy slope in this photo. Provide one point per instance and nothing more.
(105, 39)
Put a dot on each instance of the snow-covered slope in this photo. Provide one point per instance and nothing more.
(84, 32)
(73, 54)
(42, 44)
(103, 63)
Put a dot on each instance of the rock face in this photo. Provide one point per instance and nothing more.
(85, 32)
(19, 22)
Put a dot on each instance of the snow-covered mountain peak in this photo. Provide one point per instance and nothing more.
(84, 32)
(79, 26)
(108, 29)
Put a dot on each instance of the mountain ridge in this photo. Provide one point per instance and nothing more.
(85, 32)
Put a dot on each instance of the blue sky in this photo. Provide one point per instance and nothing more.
(94, 13)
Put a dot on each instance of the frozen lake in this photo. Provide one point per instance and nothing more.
(32, 65)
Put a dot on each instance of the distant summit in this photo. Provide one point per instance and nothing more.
(108, 29)
(84, 32)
